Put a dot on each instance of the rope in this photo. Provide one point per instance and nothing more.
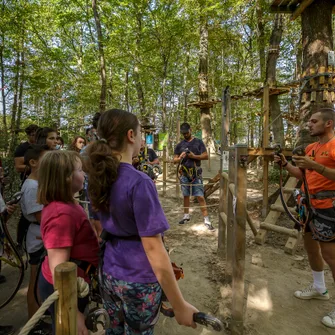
(83, 291)
(216, 205)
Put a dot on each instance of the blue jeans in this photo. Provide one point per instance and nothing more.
(194, 188)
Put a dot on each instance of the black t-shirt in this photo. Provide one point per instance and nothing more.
(150, 153)
(20, 152)
(196, 146)
(21, 149)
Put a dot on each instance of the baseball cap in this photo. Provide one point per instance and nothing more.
(185, 128)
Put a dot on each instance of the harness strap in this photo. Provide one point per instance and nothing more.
(321, 195)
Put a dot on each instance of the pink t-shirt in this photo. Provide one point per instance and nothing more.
(66, 225)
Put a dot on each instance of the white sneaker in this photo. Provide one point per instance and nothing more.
(311, 293)
(329, 320)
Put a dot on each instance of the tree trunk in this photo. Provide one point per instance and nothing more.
(164, 107)
(273, 53)
(261, 38)
(126, 93)
(185, 88)
(317, 41)
(203, 85)
(20, 105)
(3, 95)
(136, 74)
(103, 93)
(14, 106)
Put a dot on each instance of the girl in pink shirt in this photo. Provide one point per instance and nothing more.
(65, 229)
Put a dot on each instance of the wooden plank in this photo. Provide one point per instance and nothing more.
(239, 246)
(265, 202)
(267, 152)
(280, 208)
(274, 215)
(292, 244)
(230, 215)
(278, 229)
(304, 4)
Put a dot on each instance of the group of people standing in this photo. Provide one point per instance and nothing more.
(136, 265)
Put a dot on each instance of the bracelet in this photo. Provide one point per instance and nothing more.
(285, 164)
(323, 170)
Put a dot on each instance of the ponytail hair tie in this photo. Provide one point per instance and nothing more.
(103, 140)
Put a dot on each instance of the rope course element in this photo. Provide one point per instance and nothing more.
(83, 290)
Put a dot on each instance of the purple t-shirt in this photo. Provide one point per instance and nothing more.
(134, 210)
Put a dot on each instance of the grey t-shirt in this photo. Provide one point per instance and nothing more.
(2, 204)
(29, 206)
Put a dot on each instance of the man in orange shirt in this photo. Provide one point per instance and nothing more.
(319, 237)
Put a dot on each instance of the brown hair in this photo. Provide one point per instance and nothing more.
(104, 154)
(73, 146)
(55, 176)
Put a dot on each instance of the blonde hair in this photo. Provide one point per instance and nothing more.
(55, 176)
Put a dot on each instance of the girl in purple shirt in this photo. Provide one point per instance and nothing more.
(136, 265)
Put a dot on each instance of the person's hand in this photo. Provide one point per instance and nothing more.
(304, 162)
(11, 209)
(82, 330)
(184, 315)
(182, 155)
(280, 159)
(191, 155)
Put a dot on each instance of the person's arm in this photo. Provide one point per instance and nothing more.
(294, 171)
(19, 164)
(202, 157)
(178, 158)
(161, 265)
(307, 163)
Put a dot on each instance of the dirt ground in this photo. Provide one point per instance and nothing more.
(271, 277)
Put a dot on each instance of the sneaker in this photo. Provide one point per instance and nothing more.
(6, 330)
(209, 226)
(311, 293)
(329, 320)
(184, 219)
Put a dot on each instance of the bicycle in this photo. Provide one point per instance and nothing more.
(8, 251)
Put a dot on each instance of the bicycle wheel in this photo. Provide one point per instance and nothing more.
(12, 265)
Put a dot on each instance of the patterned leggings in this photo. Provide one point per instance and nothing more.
(140, 304)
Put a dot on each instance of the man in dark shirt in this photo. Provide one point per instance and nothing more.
(22, 148)
(20, 167)
(189, 153)
(147, 156)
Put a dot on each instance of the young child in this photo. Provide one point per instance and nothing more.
(66, 230)
(32, 212)
(136, 265)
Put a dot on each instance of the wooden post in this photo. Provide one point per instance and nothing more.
(223, 204)
(230, 215)
(266, 111)
(177, 141)
(209, 160)
(239, 241)
(164, 170)
(66, 305)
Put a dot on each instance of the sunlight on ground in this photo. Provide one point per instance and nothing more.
(259, 299)
(201, 229)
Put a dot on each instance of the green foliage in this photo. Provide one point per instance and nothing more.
(57, 44)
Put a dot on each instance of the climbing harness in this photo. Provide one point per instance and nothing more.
(152, 170)
(306, 212)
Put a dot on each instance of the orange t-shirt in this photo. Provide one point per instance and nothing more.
(323, 154)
